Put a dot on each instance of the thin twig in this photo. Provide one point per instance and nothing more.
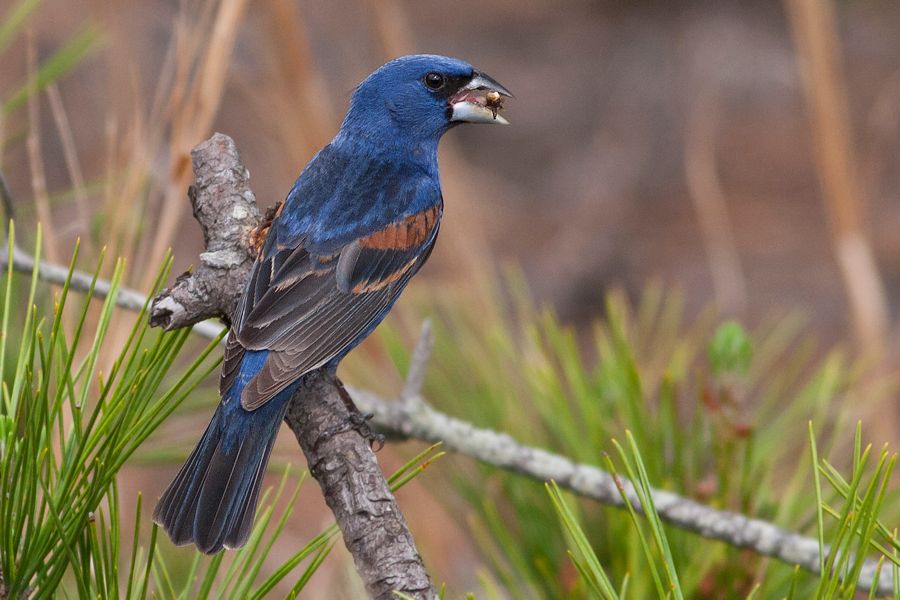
(81, 281)
(501, 450)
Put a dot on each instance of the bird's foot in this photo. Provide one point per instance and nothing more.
(359, 422)
(356, 420)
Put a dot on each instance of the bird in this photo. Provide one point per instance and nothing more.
(359, 222)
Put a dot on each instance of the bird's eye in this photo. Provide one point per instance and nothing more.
(434, 80)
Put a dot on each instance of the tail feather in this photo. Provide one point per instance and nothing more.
(229, 497)
(178, 504)
(212, 500)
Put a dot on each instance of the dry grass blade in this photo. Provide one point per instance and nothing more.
(195, 117)
(818, 46)
(35, 158)
(299, 78)
(73, 165)
(392, 27)
(710, 204)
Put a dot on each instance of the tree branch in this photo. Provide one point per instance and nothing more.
(226, 209)
(343, 463)
(374, 529)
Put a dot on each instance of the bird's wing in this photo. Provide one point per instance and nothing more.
(306, 308)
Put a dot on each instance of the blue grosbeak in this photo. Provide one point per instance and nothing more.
(360, 221)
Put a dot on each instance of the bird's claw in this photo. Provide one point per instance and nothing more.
(359, 422)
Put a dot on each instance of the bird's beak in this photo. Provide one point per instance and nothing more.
(480, 101)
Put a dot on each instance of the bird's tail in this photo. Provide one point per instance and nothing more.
(213, 498)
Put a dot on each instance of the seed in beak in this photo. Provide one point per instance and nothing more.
(493, 101)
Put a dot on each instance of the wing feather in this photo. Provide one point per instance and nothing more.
(306, 309)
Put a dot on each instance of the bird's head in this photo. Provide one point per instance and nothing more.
(422, 96)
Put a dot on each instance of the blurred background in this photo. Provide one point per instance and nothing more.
(744, 153)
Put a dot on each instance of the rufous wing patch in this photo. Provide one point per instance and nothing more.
(403, 235)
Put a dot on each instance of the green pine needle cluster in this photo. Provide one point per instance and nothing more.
(68, 427)
(710, 411)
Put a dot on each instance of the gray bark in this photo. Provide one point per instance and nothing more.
(356, 491)
(226, 209)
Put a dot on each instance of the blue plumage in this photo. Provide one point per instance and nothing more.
(358, 223)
